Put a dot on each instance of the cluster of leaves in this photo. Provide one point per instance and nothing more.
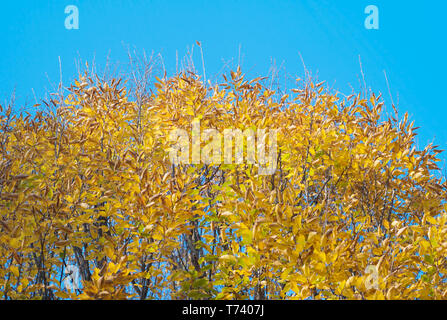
(92, 185)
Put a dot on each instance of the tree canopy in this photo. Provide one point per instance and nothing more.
(354, 210)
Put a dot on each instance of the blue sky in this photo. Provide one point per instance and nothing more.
(329, 35)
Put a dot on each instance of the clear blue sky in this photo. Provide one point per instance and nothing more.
(330, 35)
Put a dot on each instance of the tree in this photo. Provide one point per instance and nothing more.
(353, 210)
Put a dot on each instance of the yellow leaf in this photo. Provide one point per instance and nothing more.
(430, 219)
(14, 270)
(228, 258)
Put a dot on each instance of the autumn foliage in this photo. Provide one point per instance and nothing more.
(89, 183)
